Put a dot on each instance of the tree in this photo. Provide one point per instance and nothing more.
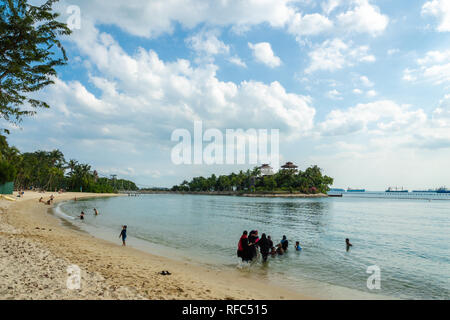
(309, 181)
(7, 172)
(29, 53)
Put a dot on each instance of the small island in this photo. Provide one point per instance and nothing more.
(262, 181)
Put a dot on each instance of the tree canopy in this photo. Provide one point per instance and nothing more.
(29, 52)
(49, 170)
(309, 181)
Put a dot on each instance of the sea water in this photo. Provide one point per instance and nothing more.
(408, 240)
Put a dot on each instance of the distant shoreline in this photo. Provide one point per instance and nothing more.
(240, 194)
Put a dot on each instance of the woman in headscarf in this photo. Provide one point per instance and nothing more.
(243, 248)
(252, 241)
(264, 247)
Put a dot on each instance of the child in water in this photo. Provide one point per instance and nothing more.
(297, 246)
(123, 234)
(348, 244)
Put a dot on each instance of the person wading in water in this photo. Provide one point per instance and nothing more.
(264, 247)
(243, 251)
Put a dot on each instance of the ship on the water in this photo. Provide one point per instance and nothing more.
(438, 190)
(355, 190)
(396, 189)
(443, 190)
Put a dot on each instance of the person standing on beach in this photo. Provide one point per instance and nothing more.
(123, 234)
(348, 244)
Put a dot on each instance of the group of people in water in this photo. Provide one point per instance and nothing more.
(249, 243)
(81, 216)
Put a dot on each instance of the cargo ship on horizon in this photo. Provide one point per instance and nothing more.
(355, 190)
(438, 190)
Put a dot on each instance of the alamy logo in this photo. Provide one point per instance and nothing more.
(74, 20)
(374, 281)
(235, 147)
(73, 281)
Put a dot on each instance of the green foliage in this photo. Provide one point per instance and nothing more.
(29, 53)
(309, 181)
(49, 170)
(7, 172)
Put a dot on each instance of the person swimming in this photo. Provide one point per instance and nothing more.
(348, 244)
(95, 212)
(81, 215)
(297, 246)
(123, 234)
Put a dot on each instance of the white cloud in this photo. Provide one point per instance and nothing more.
(357, 91)
(335, 54)
(334, 94)
(365, 81)
(380, 117)
(363, 18)
(391, 52)
(156, 17)
(206, 42)
(174, 93)
(237, 61)
(309, 24)
(441, 115)
(441, 10)
(434, 67)
(330, 5)
(371, 93)
(263, 53)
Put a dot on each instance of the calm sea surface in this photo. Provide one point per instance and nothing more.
(409, 240)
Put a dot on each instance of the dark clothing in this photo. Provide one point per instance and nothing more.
(264, 247)
(245, 253)
(252, 249)
(123, 234)
(284, 244)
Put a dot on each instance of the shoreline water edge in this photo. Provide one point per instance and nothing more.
(45, 245)
(44, 249)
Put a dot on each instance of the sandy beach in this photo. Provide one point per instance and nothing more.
(36, 250)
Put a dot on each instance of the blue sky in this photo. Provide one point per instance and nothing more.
(359, 87)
